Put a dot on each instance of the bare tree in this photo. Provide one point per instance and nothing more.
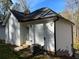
(73, 7)
(4, 6)
(25, 6)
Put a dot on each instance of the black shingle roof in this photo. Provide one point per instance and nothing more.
(40, 13)
(18, 15)
(34, 15)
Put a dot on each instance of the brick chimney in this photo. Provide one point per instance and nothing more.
(26, 12)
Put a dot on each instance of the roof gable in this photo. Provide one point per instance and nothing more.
(43, 12)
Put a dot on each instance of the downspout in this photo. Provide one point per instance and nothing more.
(44, 28)
(73, 52)
(34, 32)
(55, 33)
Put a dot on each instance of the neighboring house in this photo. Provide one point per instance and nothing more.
(2, 32)
(3, 16)
(44, 27)
(17, 7)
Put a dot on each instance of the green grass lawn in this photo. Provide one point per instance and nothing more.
(6, 52)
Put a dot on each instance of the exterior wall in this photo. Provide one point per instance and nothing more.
(2, 32)
(24, 33)
(7, 33)
(36, 34)
(13, 31)
(63, 37)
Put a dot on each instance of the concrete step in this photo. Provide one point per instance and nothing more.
(21, 47)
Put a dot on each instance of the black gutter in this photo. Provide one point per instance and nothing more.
(30, 19)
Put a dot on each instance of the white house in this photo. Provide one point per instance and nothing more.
(44, 27)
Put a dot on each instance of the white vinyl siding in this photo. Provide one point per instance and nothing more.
(63, 36)
(13, 31)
